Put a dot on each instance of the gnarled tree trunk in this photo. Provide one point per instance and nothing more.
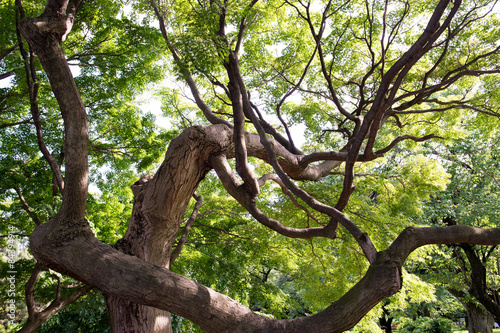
(159, 205)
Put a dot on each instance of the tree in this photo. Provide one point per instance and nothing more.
(365, 81)
(471, 198)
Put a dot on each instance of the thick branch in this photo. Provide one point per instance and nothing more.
(241, 108)
(44, 35)
(413, 237)
(128, 277)
(144, 283)
(336, 215)
(394, 76)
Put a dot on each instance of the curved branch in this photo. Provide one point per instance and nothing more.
(235, 189)
(386, 91)
(243, 26)
(36, 319)
(274, 178)
(287, 143)
(26, 207)
(241, 107)
(148, 284)
(44, 35)
(406, 137)
(402, 67)
(334, 213)
(414, 237)
(288, 94)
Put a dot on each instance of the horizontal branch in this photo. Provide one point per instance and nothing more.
(16, 123)
(414, 237)
(125, 276)
(406, 137)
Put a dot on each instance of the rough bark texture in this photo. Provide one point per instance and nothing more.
(158, 208)
(44, 35)
(478, 319)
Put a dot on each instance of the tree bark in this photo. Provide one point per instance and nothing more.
(159, 205)
(478, 284)
(44, 35)
(164, 198)
(479, 320)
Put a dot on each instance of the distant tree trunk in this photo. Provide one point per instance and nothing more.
(385, 320)
(386, 324)
(478, 286)
(479, 320)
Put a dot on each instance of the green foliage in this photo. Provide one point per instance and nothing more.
(414, 290)
(87, 314)
(471, 198)
(426, 325)
(369, 323)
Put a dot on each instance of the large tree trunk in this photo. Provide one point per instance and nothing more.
(159, 205)
(479, 320)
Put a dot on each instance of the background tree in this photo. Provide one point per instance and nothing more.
(471, 198)
(365, 79)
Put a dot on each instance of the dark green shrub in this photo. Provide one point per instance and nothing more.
(426, 325)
